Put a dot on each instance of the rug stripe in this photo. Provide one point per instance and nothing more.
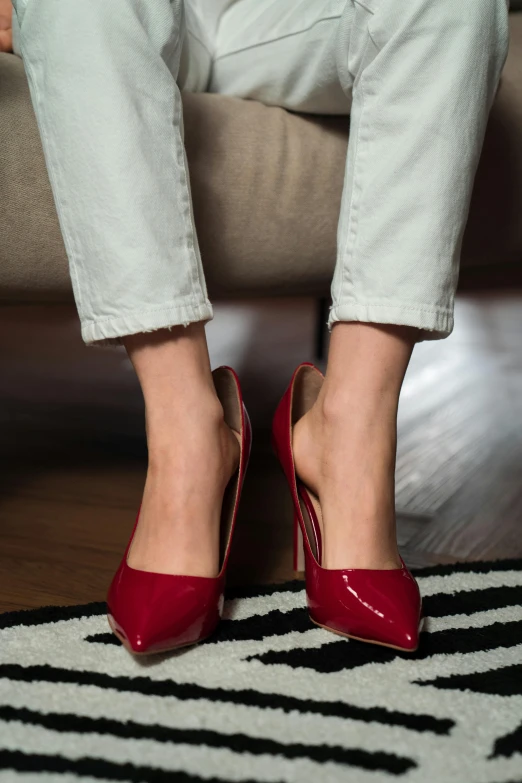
(278, 623)
(248, 698)
(450, 584)
(509, 745)
(252, 629)
(468, 602)
(238, 743)
(288, 728)
(506, 681)
(333, 658)
(446, 586)
(49, 614)
(479, 567)
(97, 768)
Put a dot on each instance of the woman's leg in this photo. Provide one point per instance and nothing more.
(103, 83)
(422, 78)
(345, 446)
(418, 80)
(192, 454)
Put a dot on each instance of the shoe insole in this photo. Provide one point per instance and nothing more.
(313, 519)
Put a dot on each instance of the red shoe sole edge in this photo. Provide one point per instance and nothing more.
(146, 654)
(369, 641)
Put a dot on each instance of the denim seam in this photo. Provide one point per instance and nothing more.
(279, 38)
(196, 268)
(182, 178)
(353, 221)
(419, 309)
(69, 240)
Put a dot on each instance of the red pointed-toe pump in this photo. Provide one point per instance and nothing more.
(377, 606)
(153, 613)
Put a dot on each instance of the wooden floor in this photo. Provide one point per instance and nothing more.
(72, 450)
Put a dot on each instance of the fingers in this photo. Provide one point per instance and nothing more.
(6, 34)
(6, 40)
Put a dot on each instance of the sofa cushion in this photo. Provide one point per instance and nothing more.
(266, 188)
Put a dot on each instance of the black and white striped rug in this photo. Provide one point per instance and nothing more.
(271, 697)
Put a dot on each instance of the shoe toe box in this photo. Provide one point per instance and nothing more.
(153, 612)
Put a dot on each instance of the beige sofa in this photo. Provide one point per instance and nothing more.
(266, 187)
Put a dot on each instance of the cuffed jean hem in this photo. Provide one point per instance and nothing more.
(433, 323)
(109, 331)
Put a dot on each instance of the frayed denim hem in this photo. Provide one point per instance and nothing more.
(433, 323)
(109, 331)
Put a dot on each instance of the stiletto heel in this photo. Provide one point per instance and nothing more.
(152, 613)
(378, 606)
(299, 555)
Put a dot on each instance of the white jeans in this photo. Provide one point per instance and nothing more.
(418, 79)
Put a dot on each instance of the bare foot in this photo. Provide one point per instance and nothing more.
(193, 454)
(6, 32)
(349, 465)
(345, 445)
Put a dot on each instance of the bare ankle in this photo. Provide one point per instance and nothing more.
(355, 416)
(196, 425)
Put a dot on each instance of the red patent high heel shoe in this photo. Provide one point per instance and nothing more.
(378, 606)
(152, 613)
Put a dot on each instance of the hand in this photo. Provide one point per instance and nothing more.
(6, 33)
